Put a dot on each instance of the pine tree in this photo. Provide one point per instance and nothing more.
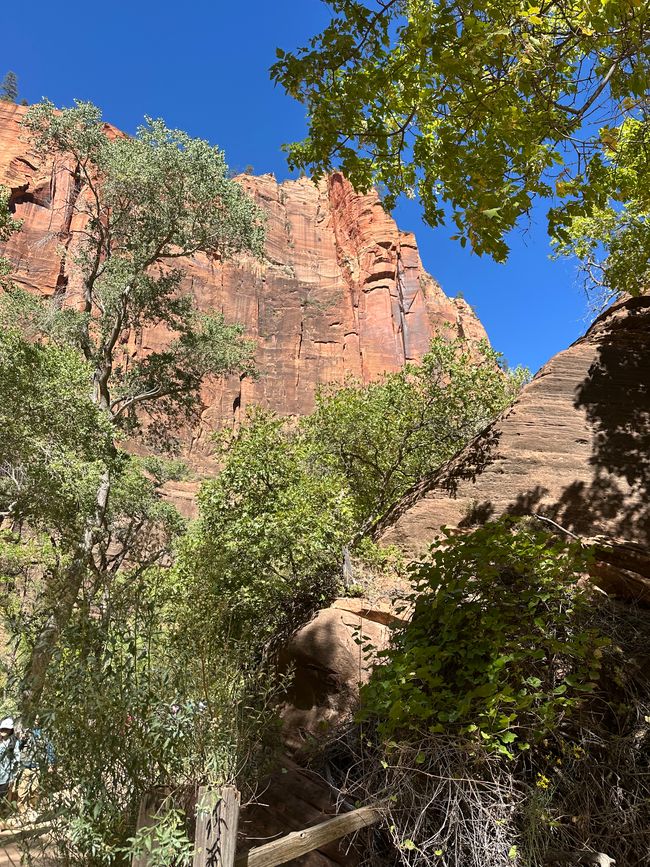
(9, 87)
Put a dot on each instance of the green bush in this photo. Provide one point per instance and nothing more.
(141, 698)
(497, 650)
(386, 436)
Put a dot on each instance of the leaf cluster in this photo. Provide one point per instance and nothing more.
(607, 223)
(55, 442)
(129, 708)
(271, 529)
(474, 108)
(497, 650)
(386, 436)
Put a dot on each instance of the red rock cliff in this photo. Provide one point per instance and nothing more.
(340, 290)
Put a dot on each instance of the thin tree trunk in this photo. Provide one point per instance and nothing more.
(66, 593)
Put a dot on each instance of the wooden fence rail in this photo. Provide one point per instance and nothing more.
(217, 817)
(301, 842)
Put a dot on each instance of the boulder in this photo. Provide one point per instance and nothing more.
(331, 657)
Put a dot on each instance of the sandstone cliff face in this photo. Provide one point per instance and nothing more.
(575, 447)
(339, 291)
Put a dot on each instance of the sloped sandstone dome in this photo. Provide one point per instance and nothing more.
(575, 447)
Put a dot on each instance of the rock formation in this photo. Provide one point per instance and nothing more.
(340, 289)
(575, 447)
(332, 657)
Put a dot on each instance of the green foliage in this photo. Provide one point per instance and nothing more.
(9, 88)
(607, 226)
(130, 705)
(272, 527)
(496, 651)
(291, 497)
(165, 842)
(7, 226)
(102, 636)
(475, 108)
(143, 205)
(147, 203)
(7, 223)
(55, 443)
(390, 434)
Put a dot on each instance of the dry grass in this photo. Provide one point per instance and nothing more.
(583, 790)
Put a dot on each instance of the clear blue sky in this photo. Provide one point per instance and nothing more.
(203, 65)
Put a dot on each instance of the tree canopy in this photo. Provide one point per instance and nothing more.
(477, 108)
(147, 204)
(294, 499)
(388, 435)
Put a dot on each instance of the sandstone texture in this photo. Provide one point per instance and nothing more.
(575, 447)
(340, 290)
(332, 656)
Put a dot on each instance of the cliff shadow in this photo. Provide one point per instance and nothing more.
(615, 395)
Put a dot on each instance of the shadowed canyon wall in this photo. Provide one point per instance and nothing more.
(575, 447)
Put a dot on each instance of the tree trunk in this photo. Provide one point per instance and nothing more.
(65, 590)
(72, 580)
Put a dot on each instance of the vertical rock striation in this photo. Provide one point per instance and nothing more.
(340, 290)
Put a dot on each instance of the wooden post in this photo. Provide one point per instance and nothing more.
(301, 842)
(217, 817)
(148, 815)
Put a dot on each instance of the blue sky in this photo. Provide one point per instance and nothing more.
(203, 67)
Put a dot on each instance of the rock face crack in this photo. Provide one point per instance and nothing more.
(401, 330)
(301, 335)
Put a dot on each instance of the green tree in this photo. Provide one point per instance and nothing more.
(607, 226)
(102, 628)
(291, 496)
(267, 546)
(386, 436)
(9, 88)
(7, 223)
(145, 204)
(496, 646)
(476, 108)
(503, 705)
(55, 443)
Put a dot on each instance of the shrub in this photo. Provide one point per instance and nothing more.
(496, 648)
(508, 723)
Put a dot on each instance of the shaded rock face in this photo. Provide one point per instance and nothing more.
(332, 656)
(575, 447)
(340, 289)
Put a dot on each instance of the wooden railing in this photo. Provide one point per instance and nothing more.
(217, 818)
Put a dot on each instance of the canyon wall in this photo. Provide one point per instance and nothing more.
(575, 448)
(340, 289)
